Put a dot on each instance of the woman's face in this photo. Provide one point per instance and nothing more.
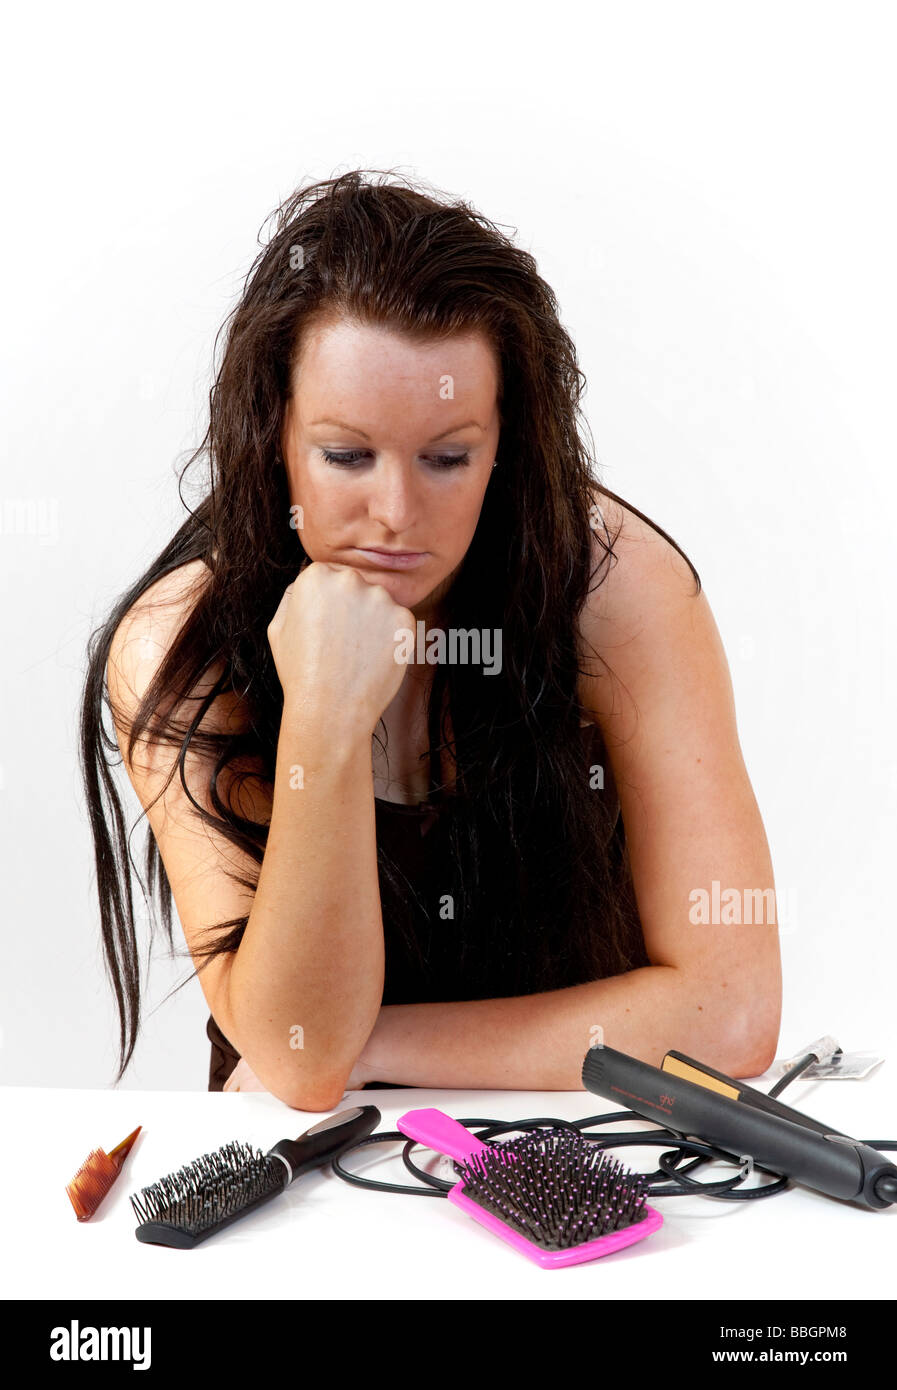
(401, 417)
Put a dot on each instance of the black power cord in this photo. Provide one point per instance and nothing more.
(668, 1180)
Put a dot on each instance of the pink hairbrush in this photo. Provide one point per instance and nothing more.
(552, 1194)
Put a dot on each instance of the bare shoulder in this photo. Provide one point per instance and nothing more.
(140, 644)
(646, 627)
(157, 616)
(640, 553)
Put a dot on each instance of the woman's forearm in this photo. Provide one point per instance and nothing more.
(306, 982)
(538, 1042)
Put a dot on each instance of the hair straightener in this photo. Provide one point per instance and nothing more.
(691, 1098)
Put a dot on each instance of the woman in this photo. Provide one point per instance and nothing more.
(457, 872)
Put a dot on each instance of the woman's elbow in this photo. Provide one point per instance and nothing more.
(754, 1036)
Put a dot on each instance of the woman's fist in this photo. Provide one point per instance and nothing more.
(334, 644)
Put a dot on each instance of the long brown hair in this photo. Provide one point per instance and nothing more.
(540, 878)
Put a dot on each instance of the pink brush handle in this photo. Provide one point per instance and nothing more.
(440, 1132)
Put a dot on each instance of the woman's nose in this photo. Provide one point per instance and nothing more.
(392, 498)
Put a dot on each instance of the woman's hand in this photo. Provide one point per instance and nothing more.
(359, 1075)
(333, 639)
(243, 1078)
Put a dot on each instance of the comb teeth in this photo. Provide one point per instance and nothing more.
(96, 1175)
(211, 1189)
(91, 1183)
(562, 1192)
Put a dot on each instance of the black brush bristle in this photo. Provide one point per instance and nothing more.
(555, 1187)
(197, 1200)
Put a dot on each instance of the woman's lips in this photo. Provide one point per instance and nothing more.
(394, 559)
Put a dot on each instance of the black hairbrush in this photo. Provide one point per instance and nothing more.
(200, 1199)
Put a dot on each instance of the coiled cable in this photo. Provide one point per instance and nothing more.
(668, 1180)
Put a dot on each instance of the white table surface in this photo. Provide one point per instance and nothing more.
(326, 1239)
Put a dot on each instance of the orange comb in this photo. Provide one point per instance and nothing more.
(96, 1175)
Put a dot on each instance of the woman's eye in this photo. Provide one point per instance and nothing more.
(450, 460)
(342, 460)
(350, 458)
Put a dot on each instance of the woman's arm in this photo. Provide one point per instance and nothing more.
(692, 821)
(309, 968)
(714, 987)
(537, 1042)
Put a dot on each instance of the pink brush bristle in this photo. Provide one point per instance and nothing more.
(562, 1194)
(554, 1195)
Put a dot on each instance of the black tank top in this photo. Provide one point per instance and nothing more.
(405, 832)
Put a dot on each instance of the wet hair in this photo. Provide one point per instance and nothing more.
(542, 890)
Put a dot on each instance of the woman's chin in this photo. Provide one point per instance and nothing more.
(410, 590)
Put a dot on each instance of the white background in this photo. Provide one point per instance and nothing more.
(708, 188)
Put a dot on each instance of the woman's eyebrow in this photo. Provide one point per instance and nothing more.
(341, 425)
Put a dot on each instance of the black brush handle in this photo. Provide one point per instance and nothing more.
(326, 1140)
(831, 1163)
(187, 1227)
